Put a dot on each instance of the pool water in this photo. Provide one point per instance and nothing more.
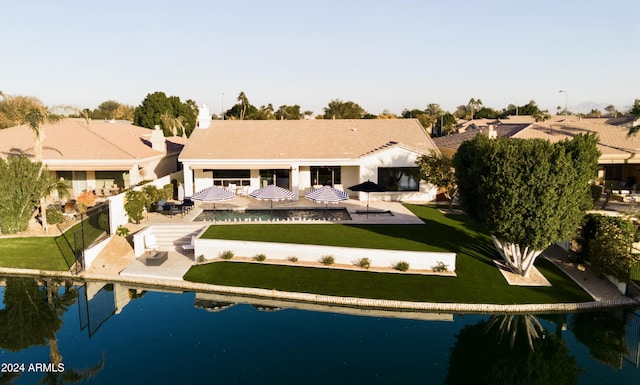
(328, 214)
(118, 334)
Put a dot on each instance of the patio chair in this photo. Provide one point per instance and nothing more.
(187, 204)
(150, 242)
(189, 246)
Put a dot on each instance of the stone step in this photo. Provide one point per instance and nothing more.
(171, 236)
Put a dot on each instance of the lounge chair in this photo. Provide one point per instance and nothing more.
(190, 246)
(150, 242)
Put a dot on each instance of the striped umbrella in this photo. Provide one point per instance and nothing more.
(213, 194)
(326, 195)
(272, 193)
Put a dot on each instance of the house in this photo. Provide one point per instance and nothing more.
(619, 162)
(302, 154)
(105, 156)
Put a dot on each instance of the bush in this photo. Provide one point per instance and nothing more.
(134, 205)
(54, 216)
(364, 263)
(227, 254)
(596, 192)
(122, 231)
(260, 257)
(440, 267)
(166, 192)
(327, 260)
(610, 247)
(200, 258)
(402, 266)
(151, 196)
(293, 259)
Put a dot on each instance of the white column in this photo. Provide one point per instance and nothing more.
(188, 179)
(295, 181)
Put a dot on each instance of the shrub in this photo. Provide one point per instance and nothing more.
(134, 205)
(200, 258)
(327, 260)
(440, 267)
(293, 259)
(85, 200)
(103, 221)
(151, 196)
(596, 192)
(364, 263)
(122, 231)
(610, 247)
(260, 257)
(227, 254)
(166, 192)
(402, 266)
(54, 216)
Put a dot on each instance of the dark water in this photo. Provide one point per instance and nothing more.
(115, 335)
(328, 214)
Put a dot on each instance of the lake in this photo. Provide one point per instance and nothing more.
(114, 334)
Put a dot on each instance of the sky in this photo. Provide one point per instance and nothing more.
(380, 54)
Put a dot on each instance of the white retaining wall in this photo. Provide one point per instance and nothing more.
(91, 253)
(138, 241)
(117, 214)
(418, 260)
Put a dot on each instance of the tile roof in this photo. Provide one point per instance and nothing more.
(613, 141)
(303, 139)
(73, 140)
(454, 141)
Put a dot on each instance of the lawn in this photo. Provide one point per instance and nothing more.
(47, 253)
(478, 280)
(40, 253)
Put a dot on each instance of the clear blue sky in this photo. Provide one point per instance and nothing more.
(380, 54)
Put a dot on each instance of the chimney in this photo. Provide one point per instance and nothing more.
(157, 140)
(204, 117)
(492, 133)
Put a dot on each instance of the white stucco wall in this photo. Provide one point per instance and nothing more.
(212, 248)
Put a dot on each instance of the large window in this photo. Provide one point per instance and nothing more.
(224, 178)
(325, 176)
(278, 177)
(398, 178)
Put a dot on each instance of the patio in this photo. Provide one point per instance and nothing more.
(355, 208)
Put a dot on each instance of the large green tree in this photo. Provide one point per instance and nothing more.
(438, 170)
(150, 113)
(285, 112)
(24, 184)
(112, 109)
(14, 109)
(242, 110)
(337, 109)
(529, 193)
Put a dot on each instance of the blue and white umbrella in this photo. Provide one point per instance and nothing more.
(213, 194)
(326, 195)
(272, 193)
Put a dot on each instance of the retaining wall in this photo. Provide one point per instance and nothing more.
(418, 260)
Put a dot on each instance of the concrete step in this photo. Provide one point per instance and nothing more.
(169, 237)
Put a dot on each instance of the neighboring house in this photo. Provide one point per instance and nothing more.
(302, 154)
(101, 155)
(619, 162)
(449, 144)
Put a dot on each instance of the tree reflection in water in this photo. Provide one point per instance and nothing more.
(603, 333)
(483, 354)
(32, 316)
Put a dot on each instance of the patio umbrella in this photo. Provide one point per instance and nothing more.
(326, 195)
(213, 194)
(272, 193)
(367, 187)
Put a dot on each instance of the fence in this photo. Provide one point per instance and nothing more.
(86, 230)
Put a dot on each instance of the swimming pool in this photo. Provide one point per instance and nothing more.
(302, 214)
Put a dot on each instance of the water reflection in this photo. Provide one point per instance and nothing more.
(32, 316)
(511, 349)
(223, 333)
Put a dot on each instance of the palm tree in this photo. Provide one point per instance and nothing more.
(175, 125)
(36, 117)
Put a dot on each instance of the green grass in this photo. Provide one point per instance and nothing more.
(46, 253)
(32, 253)
(478, 280)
